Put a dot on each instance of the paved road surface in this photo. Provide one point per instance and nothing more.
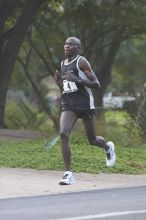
(119, 203)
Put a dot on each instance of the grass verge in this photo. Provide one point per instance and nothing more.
(85, 158)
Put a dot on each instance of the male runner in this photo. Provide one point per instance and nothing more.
(76, 78)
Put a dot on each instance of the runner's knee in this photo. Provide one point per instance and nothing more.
(64, 134)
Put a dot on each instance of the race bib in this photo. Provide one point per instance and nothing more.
(69, 86)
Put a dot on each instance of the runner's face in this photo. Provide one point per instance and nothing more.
(70, 48)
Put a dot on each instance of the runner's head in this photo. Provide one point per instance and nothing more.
(72, 46)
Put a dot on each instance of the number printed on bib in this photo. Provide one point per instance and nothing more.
(69, 86)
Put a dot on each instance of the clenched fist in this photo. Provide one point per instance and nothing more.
(57, 76)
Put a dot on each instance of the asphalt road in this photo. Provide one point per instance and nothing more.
(119, 203)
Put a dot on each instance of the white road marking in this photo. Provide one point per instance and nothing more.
(104, 215)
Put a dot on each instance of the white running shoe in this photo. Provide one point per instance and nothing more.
(110, 155)
(67, 179)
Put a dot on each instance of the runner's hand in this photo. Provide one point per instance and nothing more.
(57, 76)
(70, 77)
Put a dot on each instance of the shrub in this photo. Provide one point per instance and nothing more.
(122, 128)
(26, 116)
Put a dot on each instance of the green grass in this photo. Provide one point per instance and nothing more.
(85, 158)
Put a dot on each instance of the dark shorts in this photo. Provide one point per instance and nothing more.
(84, 114)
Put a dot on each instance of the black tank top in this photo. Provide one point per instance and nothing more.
(75, 96)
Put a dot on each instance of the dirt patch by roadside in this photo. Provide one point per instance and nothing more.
(16, 182)
(21, 134)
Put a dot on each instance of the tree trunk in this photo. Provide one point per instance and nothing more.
(9, 53)
(105, 72)
(6, 9)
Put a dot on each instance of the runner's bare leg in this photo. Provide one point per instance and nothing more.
(90, 129)
(67, 121)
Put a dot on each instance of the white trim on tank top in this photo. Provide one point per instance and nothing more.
(83, 76)
(66, 64)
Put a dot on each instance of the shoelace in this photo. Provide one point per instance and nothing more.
(65, 176)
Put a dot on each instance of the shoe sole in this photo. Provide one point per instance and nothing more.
(64, 183)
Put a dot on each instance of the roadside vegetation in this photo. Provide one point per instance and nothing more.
(117, 126)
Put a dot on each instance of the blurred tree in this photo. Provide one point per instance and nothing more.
(15, 18)
(129, 67)
(101, 25)
(142, 110)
